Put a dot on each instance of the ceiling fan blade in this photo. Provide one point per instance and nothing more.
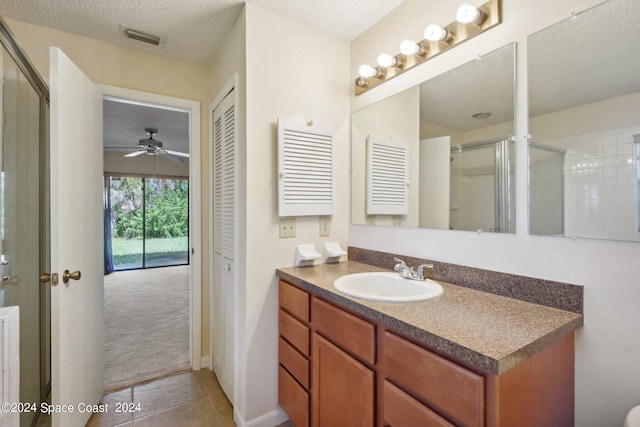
(120, 148)
(170, 157)
(176, 153)
(135, 153)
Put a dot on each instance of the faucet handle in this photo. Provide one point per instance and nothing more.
(425, 271)
(400, 264)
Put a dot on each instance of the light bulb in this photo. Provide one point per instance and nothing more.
(409, 48)
(467, 14)
(360, 82)
(367, 71)
(386, 60)
(435, 33)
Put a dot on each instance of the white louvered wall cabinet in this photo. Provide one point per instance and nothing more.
(306, 184)
(224, 240)
(387, 175)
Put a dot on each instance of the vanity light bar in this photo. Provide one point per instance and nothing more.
(437, 40)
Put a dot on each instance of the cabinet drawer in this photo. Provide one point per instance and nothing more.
(400, 409)
(296, 363)
(348, 331)
(293, 398)
(295, 332)
(294, 300)
(451, 389)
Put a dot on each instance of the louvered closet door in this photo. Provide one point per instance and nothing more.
(224, 188)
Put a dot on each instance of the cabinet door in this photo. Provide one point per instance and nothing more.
(343, 388)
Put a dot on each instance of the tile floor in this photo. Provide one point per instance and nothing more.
(185, 399)
(188, 399)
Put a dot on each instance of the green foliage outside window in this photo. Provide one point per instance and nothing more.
(166, 213)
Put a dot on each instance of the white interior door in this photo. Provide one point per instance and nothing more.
(77, 320)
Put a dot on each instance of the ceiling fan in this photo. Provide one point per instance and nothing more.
(153, 147)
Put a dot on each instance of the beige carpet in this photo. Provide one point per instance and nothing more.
(146, 316)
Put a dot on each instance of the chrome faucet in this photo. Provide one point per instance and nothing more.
(425, 271)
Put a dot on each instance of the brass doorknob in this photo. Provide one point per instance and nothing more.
(66, 276)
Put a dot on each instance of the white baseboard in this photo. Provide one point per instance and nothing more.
(204, 362)
(270, 419)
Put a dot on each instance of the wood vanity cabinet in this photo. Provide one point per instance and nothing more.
(337, 369)
(293, 353)
(444, 387)
(343, 390)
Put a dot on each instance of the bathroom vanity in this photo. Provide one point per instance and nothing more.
(467, 357)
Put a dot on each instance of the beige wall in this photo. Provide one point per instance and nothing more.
(608, 347)
(112, 65)
(397, 115)
(291, 70)
(613, 113)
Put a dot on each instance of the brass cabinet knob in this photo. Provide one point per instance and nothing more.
(66, 276)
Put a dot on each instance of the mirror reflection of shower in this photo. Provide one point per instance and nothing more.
(546, 190)
(481, 186)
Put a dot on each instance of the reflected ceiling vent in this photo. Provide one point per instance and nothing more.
(481, 116)
(142, 37)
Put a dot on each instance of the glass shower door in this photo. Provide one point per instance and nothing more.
(482, 190)
(22, 200)
(473, 188)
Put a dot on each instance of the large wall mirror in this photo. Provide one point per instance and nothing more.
(440, 155)
(584, 108)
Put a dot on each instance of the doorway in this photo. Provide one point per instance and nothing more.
(152, 216)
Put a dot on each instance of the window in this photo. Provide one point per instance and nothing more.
(149, 219)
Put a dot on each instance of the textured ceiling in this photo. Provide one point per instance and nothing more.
(598, 49)
(124, 125)
(191, 30)
(480, 86)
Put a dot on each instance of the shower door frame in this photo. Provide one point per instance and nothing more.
(8, 41)
(503, 186)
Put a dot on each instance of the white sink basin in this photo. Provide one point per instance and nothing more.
(389, 287)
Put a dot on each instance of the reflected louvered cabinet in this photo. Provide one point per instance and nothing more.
(306, 184)
(223, 200)
(387, 175)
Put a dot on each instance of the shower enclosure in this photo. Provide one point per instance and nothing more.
(546, 190)
(482, 190)
(24, 245)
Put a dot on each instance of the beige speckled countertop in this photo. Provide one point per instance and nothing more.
(489, 332)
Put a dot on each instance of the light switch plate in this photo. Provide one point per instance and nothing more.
(325, 226)
(287, 227)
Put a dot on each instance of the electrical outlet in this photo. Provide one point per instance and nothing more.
(287, 227)
(396, 221)
(325, 226)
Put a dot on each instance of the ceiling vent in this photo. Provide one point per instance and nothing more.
(143, 37)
